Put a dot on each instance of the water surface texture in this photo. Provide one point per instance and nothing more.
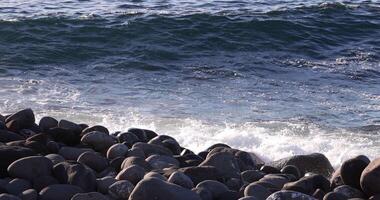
(277, 77)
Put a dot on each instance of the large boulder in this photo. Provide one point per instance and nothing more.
(17, 186)
(351, 170)
(121, 189)
(47, 123)
(93, 160)
(7, 136)
(370, 178)
(315, 163)
(95, 128)
(349, 192)
(153, 188)
(309, 184)
(65, 136)
(9, 154)
(181, 179)
(117, 150)
(151, 149)
(30, 167)
(201, 173)
(98, 140)
(75, 174)
(161, 161)
(216, 188)
(225, 163)
(73, 153)
(59, 192)
(23, 119)
(256, 190)
(136, 161)
(133, 173)
(104, 183)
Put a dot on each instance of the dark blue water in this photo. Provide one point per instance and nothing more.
(275, 77)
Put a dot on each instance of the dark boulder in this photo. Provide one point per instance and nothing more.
(75, 174)
(93, 160)
(151, 149)
(47, 123)
(315, 163)
(59, 192)
(31, 167)
(351, 170)
(23, 119)
(98, 128)
(9, 154)
(256, 190)
(153, 188)
(334, 196)
(136, 161)
(65, 136)
(225, 163)
(133, 173)
(216, 188)
(17, 186)
(98, 140)
(7, 136)
(201, 173)
(370, 178)
(120, 189)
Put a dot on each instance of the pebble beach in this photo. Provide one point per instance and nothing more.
(57, 159)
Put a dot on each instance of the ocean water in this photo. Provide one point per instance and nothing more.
(277, 77)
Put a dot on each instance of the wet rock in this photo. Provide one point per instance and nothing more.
(277, 181)
(256, 190)
(129, 139)
(349, 192)
(201, 173)
(370, 177)
(64, 136)
(53, 147)
(89, 196)
(319, 194)
(154, 175)
(309, 184)
(9, 154)
(59, 192)
(217, 145)
(352, 169)
(20, 120)
(334, 196)
(44, 181)
(181, 179)
(225, 163)
(203, 193)
(7, 136)
(55, 158)
(139, 133)
(117, 150)
(73, 153)
(98, 140)
(93, 160)
(136, 152)
(104, 183)
(30, 194)
(153, 188)
(116, 163)
(38, 147)
(8, 197)
(168, 142)
(17, 186)
(251, 176)
(336, 179)
(375, 197)
(47, 123)
(121, 189)
(75, 174)
(289, 195)
(161, 161)
(135, 161)
(291, 169)
(316, 163)
(30, 167)
(133, 173)
(248, 198)
(151, 149)
(68, 125)
(216, 188)
(269, 169)
(98, 128)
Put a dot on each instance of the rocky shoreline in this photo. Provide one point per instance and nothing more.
(63, 160)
